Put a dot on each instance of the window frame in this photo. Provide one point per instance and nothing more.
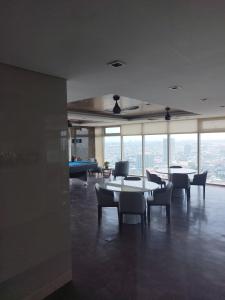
(108, 134)
(143, 133)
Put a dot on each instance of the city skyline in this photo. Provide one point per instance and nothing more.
(183, 151)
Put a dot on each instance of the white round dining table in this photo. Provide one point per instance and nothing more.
(175, 170)
(121, 185)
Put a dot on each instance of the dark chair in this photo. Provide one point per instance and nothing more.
(121, 169)
(105, 198)
(155, 178)
(200, 179)
(175, 167)
(133, 203)
(161, 197)
(181, 181)
(132, 178)
(96, 169)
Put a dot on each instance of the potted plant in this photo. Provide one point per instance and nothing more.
(106, 164)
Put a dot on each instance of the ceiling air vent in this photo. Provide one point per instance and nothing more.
(116, 63)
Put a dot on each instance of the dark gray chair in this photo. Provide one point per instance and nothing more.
(121, 169)
(175, 167)
(105, 198)
(181, 181)
(96, 169)
(155, 178)
(133, 203)
(161, 197)
(200, 180)
(132, 178)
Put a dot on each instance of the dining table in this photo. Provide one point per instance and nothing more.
(177, 193)
(136, 186)
(123, 185)
(175, 171)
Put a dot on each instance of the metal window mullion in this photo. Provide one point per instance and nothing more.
(168, 145)
(121, 147)
(143, 153)
(198, 146)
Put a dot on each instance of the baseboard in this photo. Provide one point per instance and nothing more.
(50, 287)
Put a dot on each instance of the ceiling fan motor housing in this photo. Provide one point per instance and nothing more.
(116, 97)
(116, 108)
(167, 115)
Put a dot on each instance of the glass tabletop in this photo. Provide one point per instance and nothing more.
(175, 170)
(120, 184)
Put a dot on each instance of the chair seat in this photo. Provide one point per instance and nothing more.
(195, 183)
(192, 183)
(151, 201)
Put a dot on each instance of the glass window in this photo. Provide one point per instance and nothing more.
(112, 149)
(183, 150)
(132, 151)
(112, 130)
(212, 156)
(82, 131)
(155, 151)
(80, 147)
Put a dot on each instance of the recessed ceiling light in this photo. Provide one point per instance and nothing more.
(116, 63)
(203, 100)
(175, 87)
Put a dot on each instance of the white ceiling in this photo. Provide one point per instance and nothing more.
(163, 43)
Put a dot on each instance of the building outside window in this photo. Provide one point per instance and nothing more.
(150, 150)
(132, 151)
(212, 156)
(112, 149)
(155, 151)
(183, 150)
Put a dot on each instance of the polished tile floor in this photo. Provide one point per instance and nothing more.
(185, 260)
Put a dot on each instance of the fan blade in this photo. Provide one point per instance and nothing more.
(134, 107)
(123, 109)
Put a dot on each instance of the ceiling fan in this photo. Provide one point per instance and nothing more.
(167, 114)
(117, 109)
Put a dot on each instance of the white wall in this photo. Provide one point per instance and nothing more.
(35, 255)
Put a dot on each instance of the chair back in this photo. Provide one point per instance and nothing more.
(175, 167)
(148, 175)
(180, 180)
(200, 179)
(153, 177)
(104, 196)
(163, 196)
(121, 168)
(132, 202)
